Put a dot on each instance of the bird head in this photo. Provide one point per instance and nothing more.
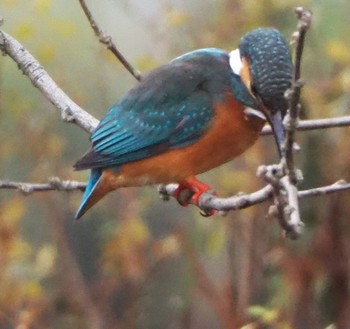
(264, 64)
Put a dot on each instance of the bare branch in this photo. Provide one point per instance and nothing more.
(69, 110)
(107, 41)
(304, 17)
(285, 206)
(304, 125)
(293, 94)
(242, 201)
(54, 184)
(284, 176)
(295, 226)
(339, 186)
(206, 201)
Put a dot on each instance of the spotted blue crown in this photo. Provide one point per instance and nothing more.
(270, 65)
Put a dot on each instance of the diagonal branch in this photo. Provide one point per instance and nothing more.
(70, 111)
(107, 41)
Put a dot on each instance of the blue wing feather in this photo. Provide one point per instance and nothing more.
(170, 108)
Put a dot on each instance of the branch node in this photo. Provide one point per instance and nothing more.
(294, 38)
(296, 147)
(299, 83)
(296, 232)
(304, 17)
(340, 182)
(25, 188)
(272, 173)
(166, 191)
(204, 202)
(290, 123)
(67, 115)
(272, 211)
(56, 183)
(298, 175)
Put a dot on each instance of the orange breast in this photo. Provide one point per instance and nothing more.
(230, 134)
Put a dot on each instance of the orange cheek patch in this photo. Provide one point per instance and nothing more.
(245, 74)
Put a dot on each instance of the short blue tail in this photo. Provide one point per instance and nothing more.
(92, 183)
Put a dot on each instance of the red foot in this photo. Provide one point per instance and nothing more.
(189, 192)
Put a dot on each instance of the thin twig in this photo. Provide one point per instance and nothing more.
(315, 124)
(107, 41)
(339, 186)
(293, 94)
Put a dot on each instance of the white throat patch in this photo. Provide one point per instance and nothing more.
(235, 61)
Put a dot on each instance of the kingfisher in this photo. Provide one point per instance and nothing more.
(195, 113)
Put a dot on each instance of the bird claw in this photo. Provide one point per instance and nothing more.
(183, 195)
(208, 212)
(186, 194)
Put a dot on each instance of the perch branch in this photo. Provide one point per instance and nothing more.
(206, 200)
(242, 201)
(108, 42)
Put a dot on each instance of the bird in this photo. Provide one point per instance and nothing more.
(186, 117)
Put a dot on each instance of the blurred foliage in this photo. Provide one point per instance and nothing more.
(136, 262)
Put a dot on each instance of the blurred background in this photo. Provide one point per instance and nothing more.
(134, 261)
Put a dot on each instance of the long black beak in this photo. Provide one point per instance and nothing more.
(275, 120)
(276, 123)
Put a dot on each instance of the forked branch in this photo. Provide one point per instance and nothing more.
(285, 176)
